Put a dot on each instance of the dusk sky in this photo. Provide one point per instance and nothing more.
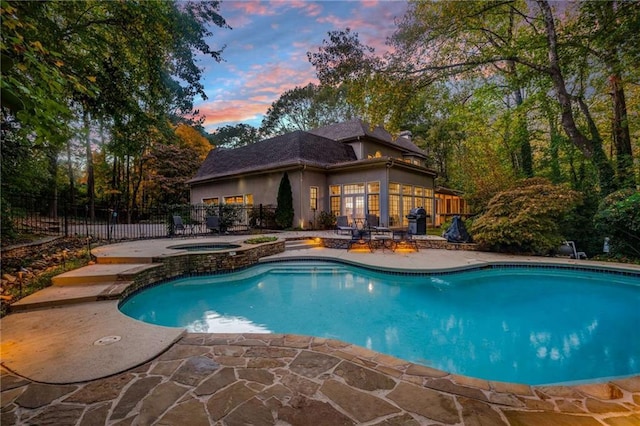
(266, 50)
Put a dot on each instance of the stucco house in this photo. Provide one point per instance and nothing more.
(347, 169)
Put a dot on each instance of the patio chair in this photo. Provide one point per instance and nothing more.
(178, 226)
(342, 225)
(361, 237)
(373, 224)
(213, 224)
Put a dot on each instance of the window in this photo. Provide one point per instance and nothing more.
(373, 204)
(313, 197)
(407, 205)
(334, 190)
(354, 188)
(248, 199)
(335, 205)
(373, 187)
(234, 199)
(394, 210)
(407, 190)
(394, 188)
(214, 201)
(419, 191)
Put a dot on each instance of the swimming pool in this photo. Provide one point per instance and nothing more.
(516, 324)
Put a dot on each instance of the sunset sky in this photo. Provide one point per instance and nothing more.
(266, 49)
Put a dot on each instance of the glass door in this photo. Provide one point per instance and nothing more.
(354, 209)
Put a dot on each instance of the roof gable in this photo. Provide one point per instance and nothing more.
(352, 130)
(355, 129)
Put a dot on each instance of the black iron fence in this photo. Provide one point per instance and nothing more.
(26, 215)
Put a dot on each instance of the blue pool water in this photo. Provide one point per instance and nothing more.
(525, 325)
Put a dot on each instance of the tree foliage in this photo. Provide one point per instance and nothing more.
(235, 136)
(524, 50)
(306, 108)
(618, 218)
(123, 71)
(525, 218)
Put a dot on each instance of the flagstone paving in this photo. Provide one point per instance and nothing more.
(274, 379)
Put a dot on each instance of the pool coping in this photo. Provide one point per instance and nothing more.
(605, 389)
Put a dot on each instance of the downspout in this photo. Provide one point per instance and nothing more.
(304, 167)
(389, 165)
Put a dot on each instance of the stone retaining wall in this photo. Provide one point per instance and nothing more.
(423, 243)
(202, 263)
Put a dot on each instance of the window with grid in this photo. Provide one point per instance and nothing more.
(394, 210)
(334, 190)
(313, 197)
(407, 205)
(214, 201)
(354, 188)
(373, 204)
(335, 205)
(234, 199)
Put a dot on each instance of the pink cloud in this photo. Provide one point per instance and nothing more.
(369, 3)
(251, 7)
(231, 110)
(276, 79)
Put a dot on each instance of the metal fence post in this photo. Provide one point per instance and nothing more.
(65, 216)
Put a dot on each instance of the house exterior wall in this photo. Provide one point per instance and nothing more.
(264, 189)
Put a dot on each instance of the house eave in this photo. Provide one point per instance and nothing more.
(283, 167)
(380, 162)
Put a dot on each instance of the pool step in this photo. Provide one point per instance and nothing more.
(56, 296)
(102, 273)
(301, 244)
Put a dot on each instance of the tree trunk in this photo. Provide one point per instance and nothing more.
(52, 156)
(621, 134)
(72, 180)
(590, 148)
(554, 146)
(90, 174)
(567, 119)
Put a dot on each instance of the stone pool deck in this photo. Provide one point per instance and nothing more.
(68, 358)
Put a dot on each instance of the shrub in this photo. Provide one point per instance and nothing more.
(260, 240)
(284, 209)
(618, 217)
(326, 220)
(525, 218)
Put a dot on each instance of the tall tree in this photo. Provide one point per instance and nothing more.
(608, 31)
(129, 65)
(306, 108)
(235, 136)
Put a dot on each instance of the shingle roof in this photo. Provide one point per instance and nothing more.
(292, 148)
(357, 128)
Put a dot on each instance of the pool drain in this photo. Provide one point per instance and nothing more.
(107, 340)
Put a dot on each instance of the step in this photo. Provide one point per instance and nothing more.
(301, 244)
(55, 296)
(101, 274)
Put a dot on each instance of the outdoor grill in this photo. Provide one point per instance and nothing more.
(417, 221)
